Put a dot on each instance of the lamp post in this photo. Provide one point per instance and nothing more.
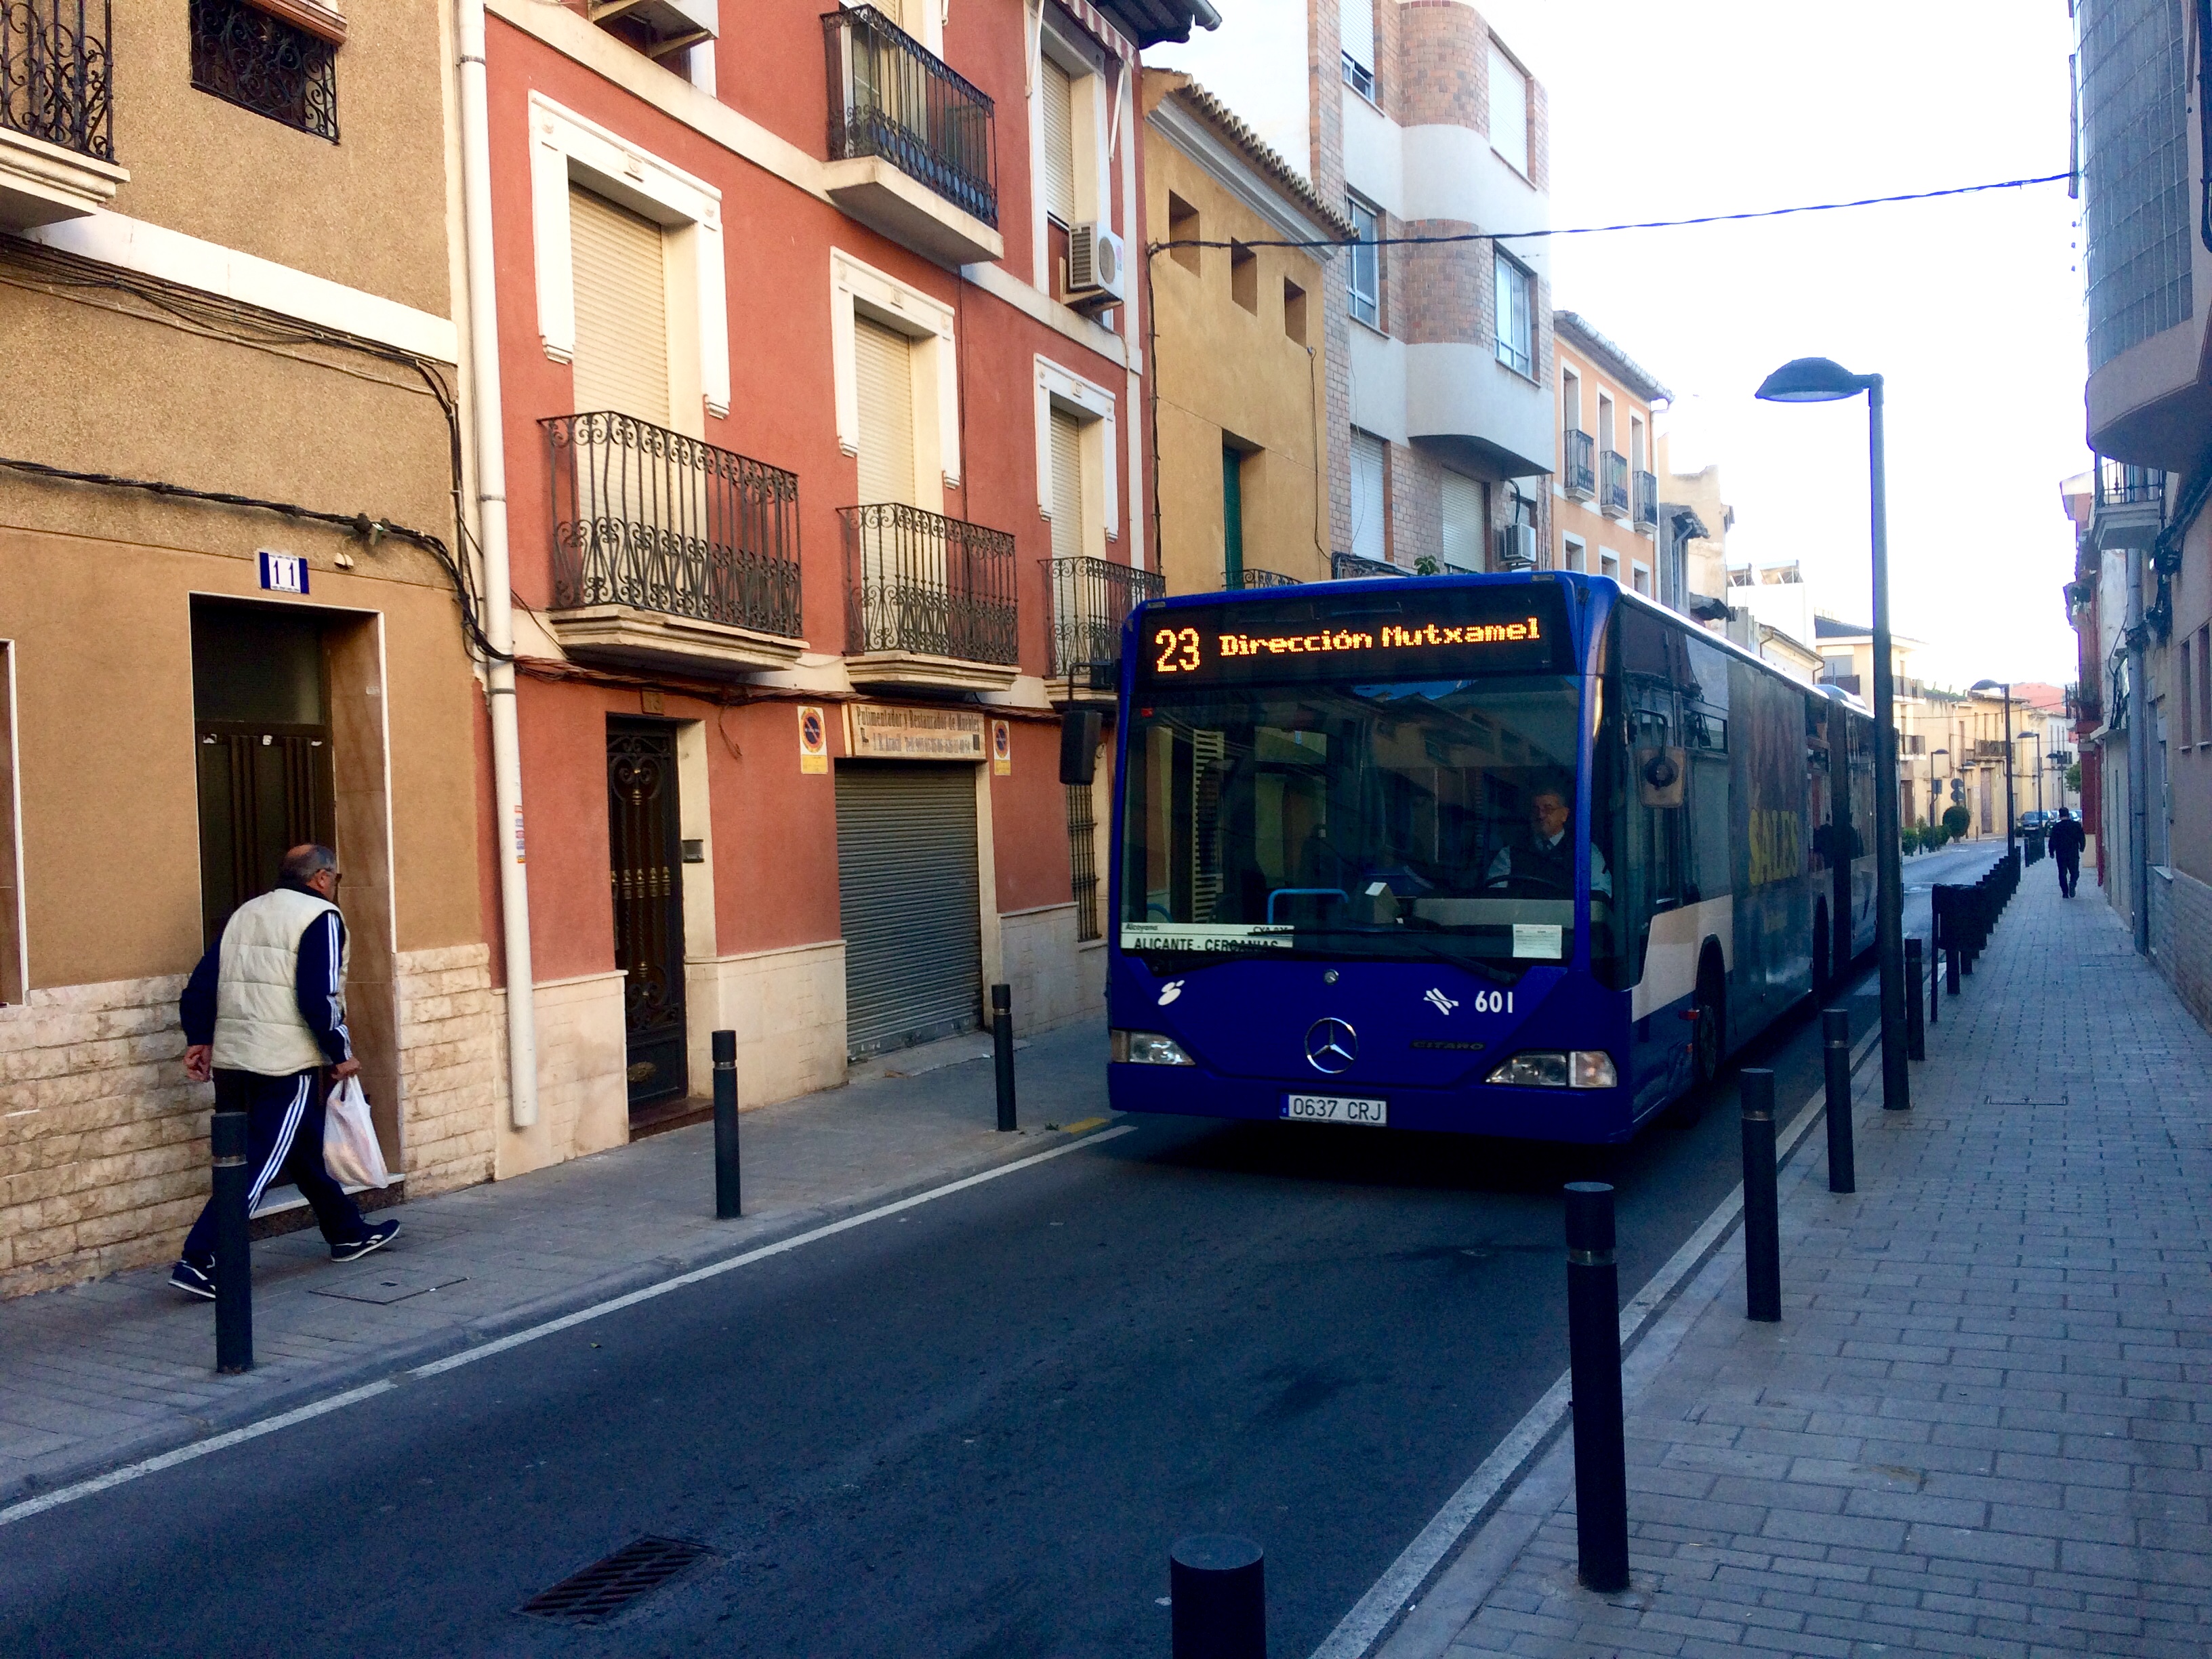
(2004, 686)
(1932, 814)
(1819, 380)
(2036, 737)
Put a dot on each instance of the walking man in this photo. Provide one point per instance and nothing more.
(263, 1013)
(2065, 844)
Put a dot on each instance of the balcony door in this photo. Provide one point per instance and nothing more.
(646, 872)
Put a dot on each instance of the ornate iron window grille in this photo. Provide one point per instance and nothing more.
(1252, 576)
(1090, 600)
(54, 74)
(1616, 482)
(1083, 861)
(244, 56)
(646, 517)
(921, 582)
(891, 96)
(1351, 567)
(1581, 479)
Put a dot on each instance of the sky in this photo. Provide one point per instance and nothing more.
(1970, 309)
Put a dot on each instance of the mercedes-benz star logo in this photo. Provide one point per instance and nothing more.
(1331, 1046)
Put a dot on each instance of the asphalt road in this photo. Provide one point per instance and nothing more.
(972, 1430)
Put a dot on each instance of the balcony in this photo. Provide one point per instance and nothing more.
(1351, 568)
(1233, 582)
(1577, 470)
(929, 600)
(1646, 516)
(659, 28)
(2085, 703)
(2130, 506)
(1615, 499)
(910, 142)
(668, 552)
(56, 123)
(1842, 681)
(1090, 600)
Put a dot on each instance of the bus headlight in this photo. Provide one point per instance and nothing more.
(1147, 1048)
(1540, 1068)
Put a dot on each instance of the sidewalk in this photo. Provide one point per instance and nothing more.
(109, 1372)
(1984, 1426)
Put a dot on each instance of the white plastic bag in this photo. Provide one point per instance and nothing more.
(351, 1152)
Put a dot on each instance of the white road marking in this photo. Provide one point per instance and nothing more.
(1390, 1594)
(30, 1506)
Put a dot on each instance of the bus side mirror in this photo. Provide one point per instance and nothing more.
(1079, 745)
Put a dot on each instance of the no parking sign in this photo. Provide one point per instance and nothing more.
(813, 741)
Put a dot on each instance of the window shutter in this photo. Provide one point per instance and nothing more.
(1059, 142)
(1356, 29)
(1068, 525)
(1368, 458)
(1462, 522)
(1509, 110)
(883, 360)
(622, 310)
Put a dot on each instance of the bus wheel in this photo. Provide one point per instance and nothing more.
(1708, 1032)
(1822, 974)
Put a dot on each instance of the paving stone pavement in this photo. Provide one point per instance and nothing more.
(105, 1373)
(1981, 1427)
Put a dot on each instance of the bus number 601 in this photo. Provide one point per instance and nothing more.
(1493, 1002)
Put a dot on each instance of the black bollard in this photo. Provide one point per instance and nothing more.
(1951, 926)
(1217, 1597)
(729, 1200)
(1002, 1050)
(1935, 958)
(1916, 1031)
(234, 1264)
(1836, 1056)
(1762, 1226)
(1594, 1361)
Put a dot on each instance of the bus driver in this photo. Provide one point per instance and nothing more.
(1545, 858)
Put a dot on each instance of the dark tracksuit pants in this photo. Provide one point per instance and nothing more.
(284, 1142)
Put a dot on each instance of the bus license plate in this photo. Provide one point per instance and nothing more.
(1336, 1109)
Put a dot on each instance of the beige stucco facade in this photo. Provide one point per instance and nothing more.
(291, 343)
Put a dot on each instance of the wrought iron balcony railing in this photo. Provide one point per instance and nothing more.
(2119, 484)
(1646, 516)
(1090, 600)
(648, 518)
(921, 582)
(1351, 567)
(1252, 576)
(891, 96)
(1842, 681)
(2085, 701)
(1615, 466)
(54, 67)
(1578, 470)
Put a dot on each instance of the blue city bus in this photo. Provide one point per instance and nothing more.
(1516, 854)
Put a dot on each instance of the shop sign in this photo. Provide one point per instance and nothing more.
(875, 732)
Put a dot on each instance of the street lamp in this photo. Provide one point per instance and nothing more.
(1819, 381)
(1931, 781)
(2006, 687)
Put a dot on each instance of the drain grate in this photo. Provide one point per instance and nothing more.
(602, 1590)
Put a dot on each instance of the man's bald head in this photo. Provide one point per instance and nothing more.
(307, 862)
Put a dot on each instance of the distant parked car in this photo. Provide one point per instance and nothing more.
(2036, 818)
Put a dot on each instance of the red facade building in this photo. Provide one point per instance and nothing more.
(821, 387)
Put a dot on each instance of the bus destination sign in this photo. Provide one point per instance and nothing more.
(1439, 634)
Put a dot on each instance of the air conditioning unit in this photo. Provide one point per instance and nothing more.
(1516, 547)
(1097, 268)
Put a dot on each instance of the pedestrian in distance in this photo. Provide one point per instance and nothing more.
(2065, 843)
(264, 1015)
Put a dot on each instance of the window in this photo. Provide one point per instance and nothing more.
(1083, 859)
(1838, 668)
(1577, 552)
(1608, 563)
(246, 57)
(2203, 685)
(11, 907)
(621, 360)
(1570, 401)
(1183, 227)
(1232, 519)
(1516, 316)
(1509, 110)
(1067, 515)
(1605, 426)
(884, 361)
(1636, 442)
(1365, 269)
(1369, 465)
(2186, 703)
(1642, 578)
(1244, 276)
(1356, 31)
(1058, 90)
(1465, 515)
(1294, 311)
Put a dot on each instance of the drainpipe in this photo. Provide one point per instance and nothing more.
(491, 531)
(2139, 759)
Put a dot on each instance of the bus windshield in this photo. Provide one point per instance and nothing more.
(1399, 820)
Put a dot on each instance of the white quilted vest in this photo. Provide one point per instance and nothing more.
(257, 1026)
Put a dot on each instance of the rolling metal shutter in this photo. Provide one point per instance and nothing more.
(1462, 504)
(1369, 456)
(882, 359)
(622, 310)
(907, 902)
(1068, 524)
(1059, 89)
